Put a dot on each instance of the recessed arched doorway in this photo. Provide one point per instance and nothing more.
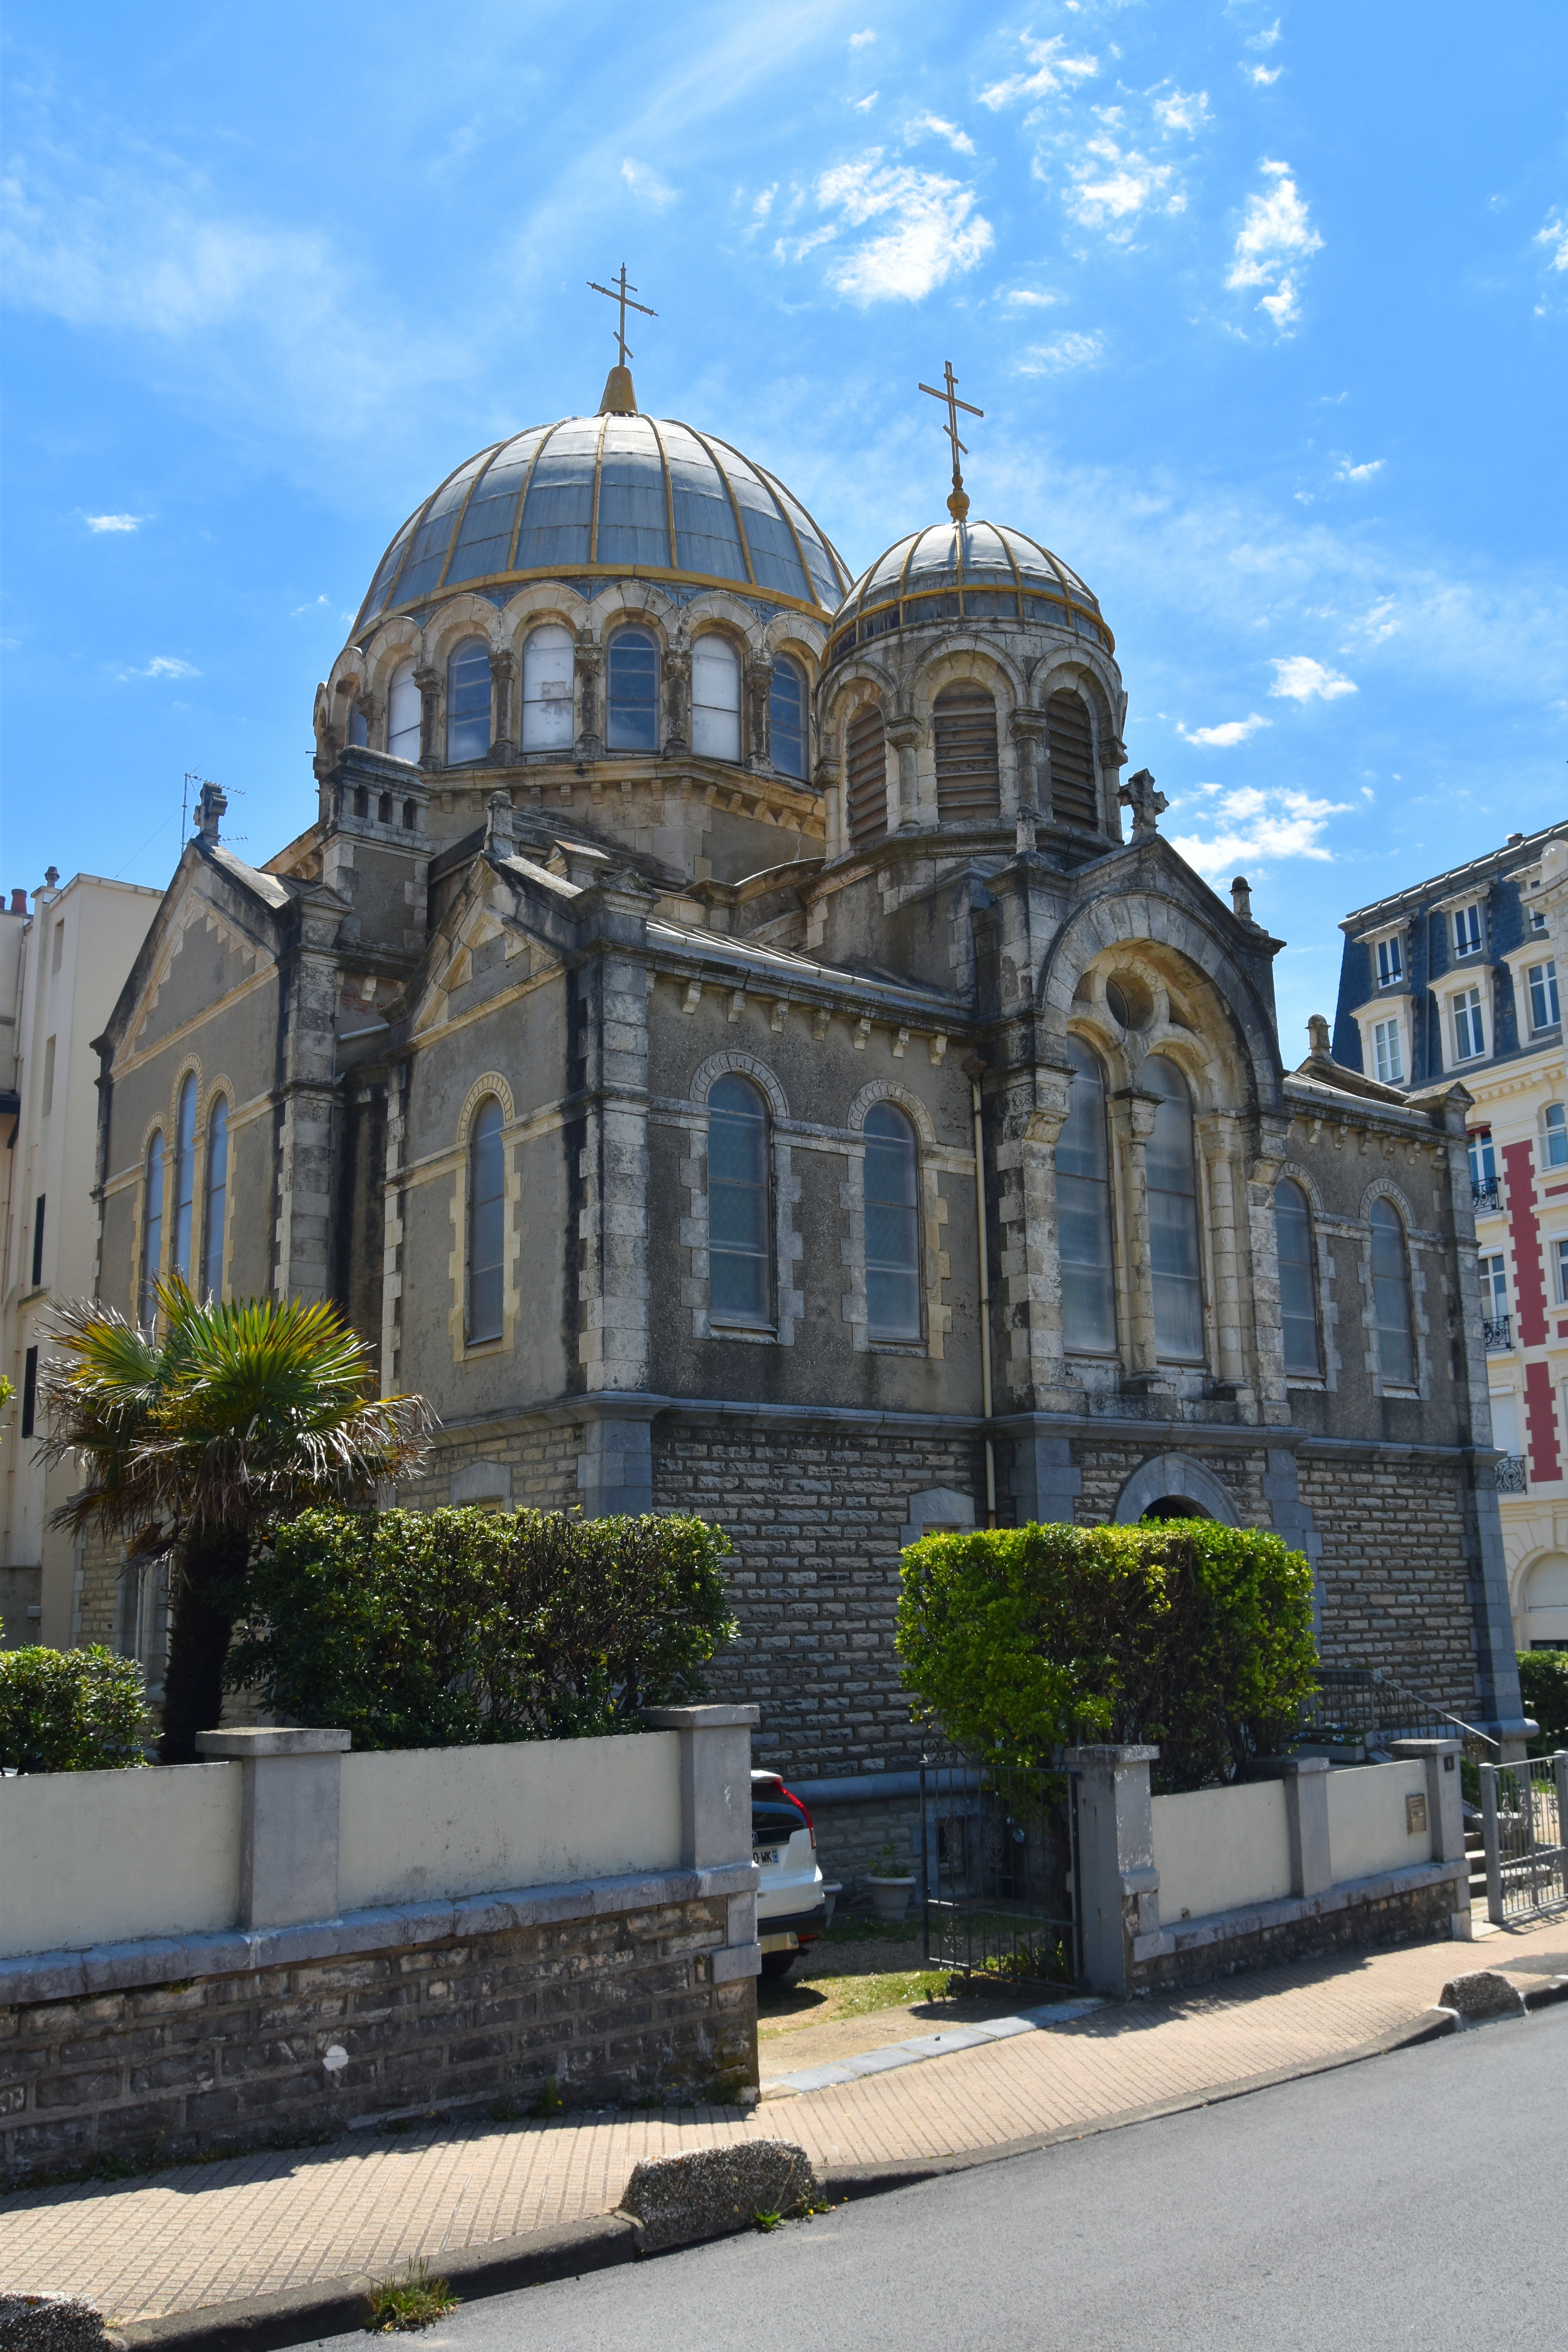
(1173, 1507)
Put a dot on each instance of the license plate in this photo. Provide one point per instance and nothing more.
(765, 1856)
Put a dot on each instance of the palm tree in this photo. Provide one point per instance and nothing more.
(196, 1432)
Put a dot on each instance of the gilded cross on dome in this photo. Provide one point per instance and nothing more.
(619, 399)
(957, 504)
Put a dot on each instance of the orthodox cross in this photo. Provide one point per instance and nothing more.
(622, 293)
(957, 505)
(1139, 795)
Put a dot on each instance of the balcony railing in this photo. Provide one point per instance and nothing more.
(1497, 1335)
(1487, 1194)
(1507, 1474)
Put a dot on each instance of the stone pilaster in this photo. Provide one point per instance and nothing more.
(1217, 1142)
(758, 745)
(504, 728)
(588, 666)
(1132, 1113)
(676, 679)
(302, 1259)
(904, 738)
(432, 749)
(1033, 1107)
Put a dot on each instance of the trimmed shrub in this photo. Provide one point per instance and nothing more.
(70, 1711)
(432, 1629)
(1543, 1686)
(1191, 1636)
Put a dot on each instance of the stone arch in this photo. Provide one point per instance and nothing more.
(1174, 1474)
(1384, 1188)
(1306, 1181)
(465, 617)
(957, 655)
(1075, 672)
(491, 1083)
(746, 1065)
(890, 1090)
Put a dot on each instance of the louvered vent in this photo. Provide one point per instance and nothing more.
(968, 780)
(1074, 800)
(867, 779)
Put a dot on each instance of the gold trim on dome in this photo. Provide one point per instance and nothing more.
(657, 573)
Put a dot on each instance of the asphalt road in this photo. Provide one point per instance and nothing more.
(1413, 2200)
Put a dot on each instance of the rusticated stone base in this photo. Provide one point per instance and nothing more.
(1416, 1917)
(605, 2008)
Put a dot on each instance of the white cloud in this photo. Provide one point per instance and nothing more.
(1555, 235)
(861, 40)
(1062, 353)
(1275, 233)
(1262, 826)
(162, 665)
(647, 186)
(1025, 298)
(1302, 679)
(959, 140)
(1264, 75)
(864, 105)
(763, 205)
(931, 229)
(1183, 110)
(1345, 472)
(114, 522)
(1226, 737)
(314, 605)
(1264, 41)
(1050, 70)
(1111, 186)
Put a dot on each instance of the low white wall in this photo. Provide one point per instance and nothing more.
(1218, 1849)
(1367, 1831)
(427, 1822)
(102, 1857)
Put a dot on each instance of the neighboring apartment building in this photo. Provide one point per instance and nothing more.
(1465, 975)
(61, 968)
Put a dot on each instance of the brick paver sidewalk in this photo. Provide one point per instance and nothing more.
(273, 2223)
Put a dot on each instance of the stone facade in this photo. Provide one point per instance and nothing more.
(1421, 1915)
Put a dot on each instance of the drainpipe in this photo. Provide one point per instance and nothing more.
(973, 1067)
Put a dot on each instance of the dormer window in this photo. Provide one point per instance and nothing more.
(1387, 1052)
(1546, 1012)
(1469, 1038)
(1390, 963)
(1467, 929)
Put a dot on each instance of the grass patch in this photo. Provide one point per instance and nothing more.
(858, 1996)
(398, 2306)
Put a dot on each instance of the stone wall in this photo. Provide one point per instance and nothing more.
(610, 2008)
(520, 1464)
(1420, 1915)
(1393, 1573)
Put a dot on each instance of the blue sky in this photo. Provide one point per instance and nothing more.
(1266, 306)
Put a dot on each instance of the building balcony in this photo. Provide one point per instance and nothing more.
(1486, 1196)
(1497, 1335)
(1507, 1474)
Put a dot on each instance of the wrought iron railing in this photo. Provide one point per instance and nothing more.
(1368, 1706)
(1498, 1333)
(1524, 1828)
(1487, 1194)
(998, 1867)
(1508, 1475)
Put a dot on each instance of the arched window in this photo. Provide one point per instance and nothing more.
(1172, 1188)
(404, 707)
(151, 1226)
(217, 1200)
(1390, 1297)
(1298, 1285)
(1083, 1212)
(631, 699)
(739, 1286)
(184, 1178)
(410, 815)
(786, 718)
(548, 661)
(864, 777)
(715, 698)
(893, 1224)
(359, 730)
(1070, 739)
(468, 702)
(968, 776)
(487, 1221)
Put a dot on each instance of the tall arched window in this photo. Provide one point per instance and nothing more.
(404, 707)
(715, 698)
(740, 1285)
(968, 775)
(184, 1178)
(1083, 1212)
(152, 1227)
(468, 702)
(487, 1223)
(1390, 1297)
(547, 666)
(1070, 739)
(893, 1224)
(631, 698)
(216, 1199)
(1172, 1188)
(1298, 1282)
(359, 730)
(786, 718)
(864, 777)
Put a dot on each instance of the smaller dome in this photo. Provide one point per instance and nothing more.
(964, 571)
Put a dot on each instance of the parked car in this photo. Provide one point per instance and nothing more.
(791, 1906)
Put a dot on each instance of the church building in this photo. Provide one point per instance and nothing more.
(716, 1040)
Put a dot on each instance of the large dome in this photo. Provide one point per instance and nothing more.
(596, 497)
(954, 571)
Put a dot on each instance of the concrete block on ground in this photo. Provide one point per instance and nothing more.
(711, 2192)
(1482, 1993)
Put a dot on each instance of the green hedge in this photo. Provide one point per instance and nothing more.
(427, 1629)
(1543, 1686)
(70, 1711)
(1192, 1636)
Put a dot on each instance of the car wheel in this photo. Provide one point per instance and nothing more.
(776, 1966)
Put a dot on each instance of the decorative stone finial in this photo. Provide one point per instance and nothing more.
(51, 877)
(1139, 794)
(1318, 1031)
(1241, 898)
(500, 838)
(210, 810)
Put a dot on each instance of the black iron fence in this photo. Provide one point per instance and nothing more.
(998, 1867)
(1366, 1706)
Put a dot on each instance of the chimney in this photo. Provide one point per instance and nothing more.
(51, 877)
(1317, 1031)
(18, 902)
(1241, 898)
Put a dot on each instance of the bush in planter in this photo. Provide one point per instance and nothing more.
(1543, 1686)
(1190, 1635)
(70, 1711)
(426, 1629)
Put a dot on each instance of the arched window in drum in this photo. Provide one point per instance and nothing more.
(968, 772)
(547, 660)
(1069, 736)
(715, 698)
(632, 700)
(865, 778)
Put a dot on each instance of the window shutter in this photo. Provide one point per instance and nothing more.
(865, 779)
(968, 777)
(1074, 800)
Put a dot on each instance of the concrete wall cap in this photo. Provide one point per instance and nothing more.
(1422, 1747)
(1110, 1756)
(700, 1718)
(246, 1745)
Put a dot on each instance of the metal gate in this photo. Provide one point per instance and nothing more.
(1524, 1823)
(998, 1866)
